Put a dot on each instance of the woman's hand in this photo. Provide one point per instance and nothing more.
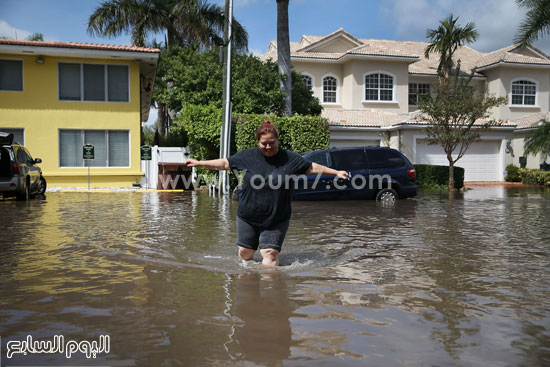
(342, 174)
(191, 163)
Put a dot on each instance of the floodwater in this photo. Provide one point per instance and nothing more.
(432, 281)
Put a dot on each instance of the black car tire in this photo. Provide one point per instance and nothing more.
(42, 186)
(387, 195)
(26, 194)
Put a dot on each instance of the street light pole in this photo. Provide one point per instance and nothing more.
(225, 134)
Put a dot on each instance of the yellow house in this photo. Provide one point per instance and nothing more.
(58, 96)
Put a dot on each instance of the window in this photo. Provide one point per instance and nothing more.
(329, 89)
(383, 158)
(18, 134)
(349, 159)
(319, 158)
(11, 75)
(524, 93)
(93, 82)
(418, 91)
(379, 87)
(111, 148)
(308, 81)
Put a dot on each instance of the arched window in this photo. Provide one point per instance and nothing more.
(308, 81)
(379, 87)
(329, 89)
(524, 93)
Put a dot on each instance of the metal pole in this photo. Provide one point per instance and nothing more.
(88, 176)
(226, 133)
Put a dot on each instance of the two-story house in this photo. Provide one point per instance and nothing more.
(369, 91)
(57, 96)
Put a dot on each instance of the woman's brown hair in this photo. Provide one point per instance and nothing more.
(267, 128)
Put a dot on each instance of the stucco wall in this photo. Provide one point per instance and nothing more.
(533, 161)
(39, 111)
(351, 81)
(499, 83)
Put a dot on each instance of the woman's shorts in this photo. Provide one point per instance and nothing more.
(252, 237)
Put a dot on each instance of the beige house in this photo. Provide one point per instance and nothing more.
(369, 90)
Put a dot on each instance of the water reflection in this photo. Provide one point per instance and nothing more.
(430, 281)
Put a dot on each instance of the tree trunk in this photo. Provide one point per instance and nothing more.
(283, 54)
(451, 175)
(161, 119)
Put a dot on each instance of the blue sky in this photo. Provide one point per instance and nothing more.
(496, 20)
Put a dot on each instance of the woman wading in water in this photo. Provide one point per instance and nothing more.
(264, 205)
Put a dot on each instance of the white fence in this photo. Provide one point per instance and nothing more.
(161, 155)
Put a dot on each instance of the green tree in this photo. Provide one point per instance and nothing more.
(36, 37)
(457, 114)
(283, 54)
(445, 40)
(536, 22)
(538, 141)
(196, 78)
(186, 22)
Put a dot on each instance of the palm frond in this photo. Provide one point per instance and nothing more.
(538, 140)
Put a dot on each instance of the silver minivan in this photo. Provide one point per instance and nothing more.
(19, 174)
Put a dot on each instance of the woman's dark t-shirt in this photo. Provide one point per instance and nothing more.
(266, 192)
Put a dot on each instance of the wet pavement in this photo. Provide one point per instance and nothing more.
(432, 281)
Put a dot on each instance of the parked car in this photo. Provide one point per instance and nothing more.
(376, 173)
(19, 174)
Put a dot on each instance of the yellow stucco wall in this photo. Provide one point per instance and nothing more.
(39, 111)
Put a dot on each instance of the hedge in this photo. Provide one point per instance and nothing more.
(432, 176)
(534, 176)
(512, 173)
(203, 123)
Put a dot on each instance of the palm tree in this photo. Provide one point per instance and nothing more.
(536, 22)
(283, 54)
(538, 141)
(446, 39)
(184, 21)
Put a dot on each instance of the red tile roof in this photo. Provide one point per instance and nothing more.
(86, 46)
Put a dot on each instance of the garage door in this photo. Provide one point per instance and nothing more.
(481, 161)
(343, 143)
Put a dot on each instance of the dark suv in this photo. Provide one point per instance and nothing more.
(376, 173)
(19, 175)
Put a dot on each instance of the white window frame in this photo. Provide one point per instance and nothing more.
(536, 105)
(3, 129)
(312, 80)
(337, 89)
(22, 75)
(106, 144)
(106, 77)
(394, 87)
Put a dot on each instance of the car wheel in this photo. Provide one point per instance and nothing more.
(26, 194)
(42, 186)
(387, 195)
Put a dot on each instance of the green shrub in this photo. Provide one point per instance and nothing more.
(512, 173)
(534, 176)
(431, 176)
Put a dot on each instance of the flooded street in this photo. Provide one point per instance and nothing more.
(432, 281)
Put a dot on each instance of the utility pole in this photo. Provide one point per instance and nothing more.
(225, 133)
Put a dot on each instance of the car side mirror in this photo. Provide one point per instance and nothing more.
(37, 160)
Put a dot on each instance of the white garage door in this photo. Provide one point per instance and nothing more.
(481, 161)
(343, 143)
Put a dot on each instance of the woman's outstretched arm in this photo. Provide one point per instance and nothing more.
(215, 164)
(318, 168)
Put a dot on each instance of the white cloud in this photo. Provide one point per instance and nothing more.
(9, 31)
(497, 21)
